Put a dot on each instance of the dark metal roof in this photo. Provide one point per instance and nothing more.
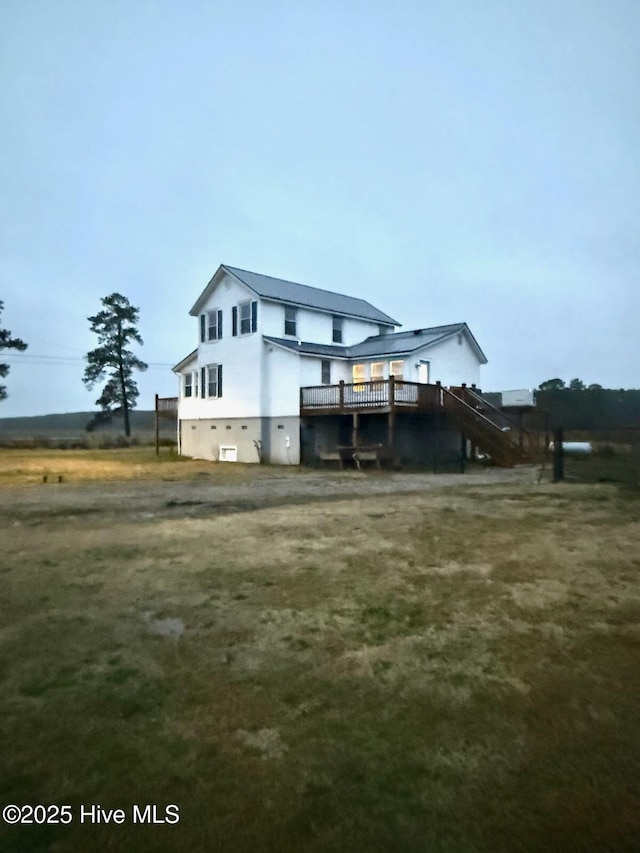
(310, 297)
(307, 348)
(406, 342)
(398, 343)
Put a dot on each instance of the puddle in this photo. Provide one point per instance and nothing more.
(167, 627)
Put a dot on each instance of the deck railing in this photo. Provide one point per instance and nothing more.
(354, 396)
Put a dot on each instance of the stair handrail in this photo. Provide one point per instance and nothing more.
(519, 437)
(493, 435)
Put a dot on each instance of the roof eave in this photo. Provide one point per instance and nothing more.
(178, 367)
(211, 286)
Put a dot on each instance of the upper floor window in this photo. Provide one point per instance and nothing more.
(337, 330)
(396, 369)
(290, 314)
(244, 318)
(211, 380)
(326, 371)
(211, 326)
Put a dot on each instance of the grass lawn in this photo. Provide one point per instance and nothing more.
(454, 670)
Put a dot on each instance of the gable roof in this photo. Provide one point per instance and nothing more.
(292, 293)
(185, 361)
(398, 343)
(406, 342)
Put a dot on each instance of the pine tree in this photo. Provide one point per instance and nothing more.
(117, 327)
(7, 342)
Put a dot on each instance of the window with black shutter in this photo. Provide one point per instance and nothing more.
(290, 320)
(214, 325)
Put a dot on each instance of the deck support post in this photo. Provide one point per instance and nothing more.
(391, 424)
(356, 428)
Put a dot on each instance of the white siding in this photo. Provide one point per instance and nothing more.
(315, 326)
(450, 363)
(240, 357)
(281, 382)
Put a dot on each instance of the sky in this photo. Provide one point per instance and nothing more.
(447, 161)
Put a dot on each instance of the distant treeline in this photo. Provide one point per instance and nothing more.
(74, 424)
(597, 409)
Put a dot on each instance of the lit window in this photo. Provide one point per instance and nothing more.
(359, 375)
(396, 369)
(377, 371)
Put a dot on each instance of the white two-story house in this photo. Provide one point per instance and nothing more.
(260, 340)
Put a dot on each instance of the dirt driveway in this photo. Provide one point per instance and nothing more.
(204, 493)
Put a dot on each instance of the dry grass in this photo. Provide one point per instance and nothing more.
(137, 463)
(444, 671)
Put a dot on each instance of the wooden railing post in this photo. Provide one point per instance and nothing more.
(392, 390)
(157, 428)
(342, 394)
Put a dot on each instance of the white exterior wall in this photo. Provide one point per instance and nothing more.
(314, 326)
(450, 363)
(281, 382)
(240, 357)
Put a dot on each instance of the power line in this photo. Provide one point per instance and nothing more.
(56, 359)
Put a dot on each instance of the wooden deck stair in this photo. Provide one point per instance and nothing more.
(493, 432)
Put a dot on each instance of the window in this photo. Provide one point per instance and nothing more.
(377, 371)
(190, 384)
(337, 330)
(396, 369)
(358, 373)
(211, 380)
(326, 372)
(244, 318)
(211, 326)
(290, 320)
(423, 372)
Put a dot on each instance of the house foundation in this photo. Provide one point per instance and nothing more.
(272, 440)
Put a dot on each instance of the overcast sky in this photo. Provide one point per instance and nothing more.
(448, 161)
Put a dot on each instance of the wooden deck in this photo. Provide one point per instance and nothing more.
(381, 396)
(463, 408)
